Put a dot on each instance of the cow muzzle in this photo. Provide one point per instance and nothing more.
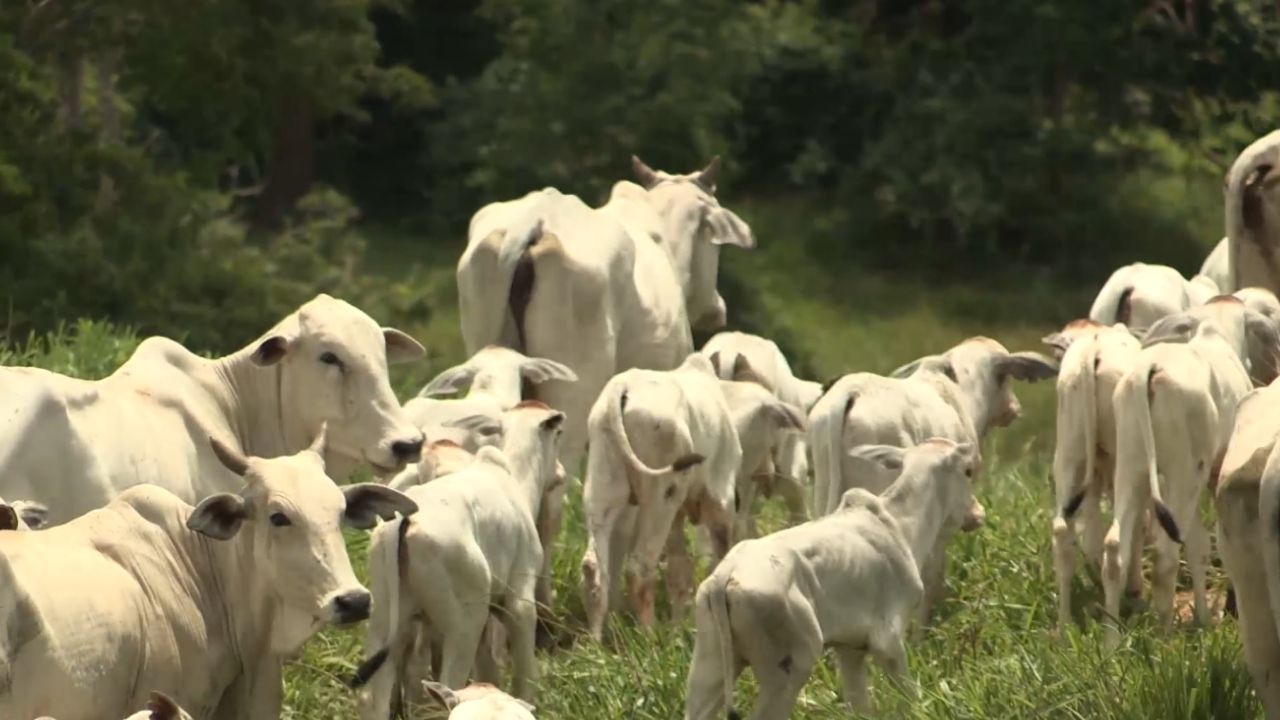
(350, 607)
(975, 518)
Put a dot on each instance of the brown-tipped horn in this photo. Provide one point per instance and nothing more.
(318, 445)
(707, 178)
(645, 175)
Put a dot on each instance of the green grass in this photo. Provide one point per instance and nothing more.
(993, 650)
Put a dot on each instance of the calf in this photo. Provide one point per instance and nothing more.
(22, 515)
(1085, 451)
(1174, 410)
(472, 546)
(159, 707)
(662, 446)
(847, 581)
(740, 356)
(478, 701)
(206, 602)
(763, 424)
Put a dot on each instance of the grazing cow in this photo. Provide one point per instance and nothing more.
(1137, 295)
(1174, 410)
(1252, 211)
(960, 395)
(663, 446)
(739, 356)
(22, 515)
(472, 546)
(494, 376)
(847, 581)
(478, 701)
(1217, 266)
(1248, 504)
(206, 602)
(599, 290)
(76, 444)
(1085, 451)
(763, 424)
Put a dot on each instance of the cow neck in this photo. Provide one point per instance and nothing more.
(522, 455)
(971, 406)
(256, 404)
(235, 595)
(916, 509)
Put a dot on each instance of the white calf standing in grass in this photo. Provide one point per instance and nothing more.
(22, 515)
(848, 581)
(1175, 409)
(472, 546)
(764, 424)
(662, 445)
(740, 356)
(1085, 451)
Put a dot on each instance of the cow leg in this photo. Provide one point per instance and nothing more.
(744, 501)
(1198, 561)
(717, 518)
(780, 685)
(792, 493)
(1239, 542)
(679, 569)
(521, 622)
(853, 677)
(1092, 529)
(605, 500)
(934, 575)
(1064, 565)
(892, 655)
(550, 515)
(1164, 577)
(486, 665)
(653, 527)
(461, 640)
(1121, 547)
(707, 674)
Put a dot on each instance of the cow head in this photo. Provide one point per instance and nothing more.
(1252, 334)
(530, 437)
(497, 704)
(497, 371)
(694, 226)
(161, 707)
(941, 470)
(983, 371)
(22, 515)
(1252, 208)
(332, 363)
(289, 517)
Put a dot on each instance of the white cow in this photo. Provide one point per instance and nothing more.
(76, 444)
(1085, 451)
(599, 290)
(22, 515)
(764, 424)
(1248, 504)
(161, 707)
(1137, 295)
(478, 701)
(1174, 411)
(1217, 266)
(1252, 211)
(207, 602)
(740, 356)
(663, 446)
(848, 581)
(472, 545)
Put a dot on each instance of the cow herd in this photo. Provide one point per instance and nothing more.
(175, 533)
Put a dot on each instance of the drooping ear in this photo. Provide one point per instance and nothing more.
(708, 176)
(271, 350)
(368, 501)
(555, 420)
(8, 517)
(1264, 344)
(163, 707)
(1178, 327)
(729, 229)
(1028, 366)
(888, 457)
(454, 380)
(401, 347)
(440, 693)
(935, 363)
(645, 175)
(1058, 341)
(219, 516)
(34, 514)
(744, 372)
(540, 370)
(230, 458)
(786, 416)
(478, 424)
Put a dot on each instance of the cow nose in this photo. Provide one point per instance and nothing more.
(406, 450)
(353, 606)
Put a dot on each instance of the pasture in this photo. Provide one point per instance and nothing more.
(993, 651)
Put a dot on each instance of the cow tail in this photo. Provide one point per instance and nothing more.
(394, 555)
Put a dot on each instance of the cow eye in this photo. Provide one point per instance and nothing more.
(279, 519)
(331, 359)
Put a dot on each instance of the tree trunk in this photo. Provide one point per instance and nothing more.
(292, 166)
(71, 90)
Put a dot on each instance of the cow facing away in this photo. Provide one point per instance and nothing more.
(73, 445)
(598, 290)
(207, 602)
(1138, 295)
(1252, 216)
(848, 581)
(764, 425)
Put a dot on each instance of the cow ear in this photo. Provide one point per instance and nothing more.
(1172, 328)
(34, 514)
(219, 516)
(368, 501)
(540, 370)
(454, 380)
(786, 416)
(230, 458)
(887, 457)
(1028, 366)
(553, 421)
(729, 229)
(400, 347)
(163, 707)
(440, 693)
(478, 424)
(8, 517)
(1057, 341)
(270, 351)
(744, 372)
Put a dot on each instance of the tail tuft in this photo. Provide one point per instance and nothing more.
(1072, 505)
(368, 669)
(687, 462)
(1167, 522)
(734, 715)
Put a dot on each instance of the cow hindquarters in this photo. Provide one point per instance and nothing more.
(1240, 541)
